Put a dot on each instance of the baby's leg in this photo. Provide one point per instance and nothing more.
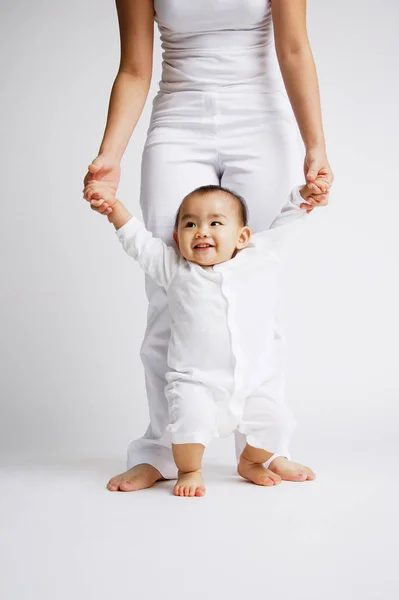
(251, 467)
(193, 423)
(188, 459)
(268, 424)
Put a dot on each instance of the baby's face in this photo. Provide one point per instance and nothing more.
(209, 229)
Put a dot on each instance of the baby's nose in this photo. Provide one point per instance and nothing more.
(202, 232)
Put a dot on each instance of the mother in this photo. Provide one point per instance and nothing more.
(232, 74)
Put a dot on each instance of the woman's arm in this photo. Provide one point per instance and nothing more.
(300, 78)
(130, 89)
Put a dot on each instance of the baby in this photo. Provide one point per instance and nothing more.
(222, 293)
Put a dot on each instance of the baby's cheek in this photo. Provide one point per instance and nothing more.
(185, 249)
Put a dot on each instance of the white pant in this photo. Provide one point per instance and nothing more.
(248, 143)
(199, 413)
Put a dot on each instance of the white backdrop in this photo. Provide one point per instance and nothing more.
(73, 306)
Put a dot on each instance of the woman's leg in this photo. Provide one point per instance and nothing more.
(176, 159)
(261, 158)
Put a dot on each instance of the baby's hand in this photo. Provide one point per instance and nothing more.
(312, 198)
(100, 197)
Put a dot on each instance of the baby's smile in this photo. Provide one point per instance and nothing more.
(203, 246)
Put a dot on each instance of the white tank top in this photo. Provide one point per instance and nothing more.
(217, 45)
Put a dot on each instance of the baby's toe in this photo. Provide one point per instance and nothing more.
(276, 479)
(113, 484)
(310, 475)
(114, 480)
(127, 486)
(266, 481)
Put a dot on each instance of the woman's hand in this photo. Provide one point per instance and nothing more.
(103, 169)
(317, 167)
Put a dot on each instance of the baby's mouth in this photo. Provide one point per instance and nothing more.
(203, 246)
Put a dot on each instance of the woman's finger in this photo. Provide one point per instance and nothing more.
(95, 208)
(324, 184)
(94, 196)
(96, 203)
(89, 189)
(314, 202)
(321, 183)
(97, 184)
(319, 198)
(102, 190)
(101, 209)
(310, 201)
(86, 179)
(315, 186)
(329, 177)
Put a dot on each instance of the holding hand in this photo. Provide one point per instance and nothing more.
(104, 169)
(103, 201)
(100, 197)
(314, 198)
(318, 174)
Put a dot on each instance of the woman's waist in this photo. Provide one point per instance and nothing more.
(223, 76)
(235, 101)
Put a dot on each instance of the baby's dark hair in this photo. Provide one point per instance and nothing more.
(205, 189)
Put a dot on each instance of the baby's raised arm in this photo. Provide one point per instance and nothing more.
(278, 238)
(153, 255)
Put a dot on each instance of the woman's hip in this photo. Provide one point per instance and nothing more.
(198, 110)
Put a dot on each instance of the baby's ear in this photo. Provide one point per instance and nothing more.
(244, 238)
(176, 238)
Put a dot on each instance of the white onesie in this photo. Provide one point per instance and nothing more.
(220, 356)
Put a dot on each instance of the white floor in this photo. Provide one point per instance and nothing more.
(63, 535)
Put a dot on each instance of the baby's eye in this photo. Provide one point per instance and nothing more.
(190, 224)
(218, 222)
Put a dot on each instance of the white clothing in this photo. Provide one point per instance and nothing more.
(217, 45)
(221, 349)
(221, 117)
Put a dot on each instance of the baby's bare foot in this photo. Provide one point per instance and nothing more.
(190, 484)
(136, 478)
(291, 471)
(257, 473)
